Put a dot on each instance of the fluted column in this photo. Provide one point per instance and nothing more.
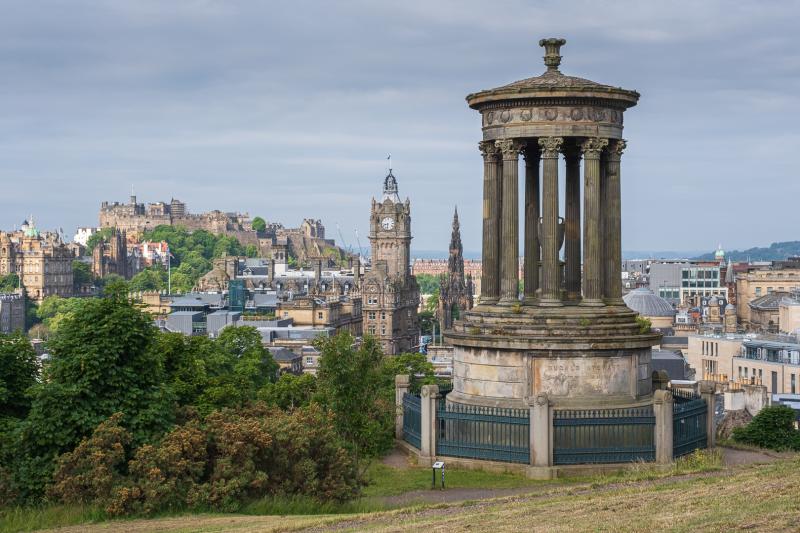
(490, 273)
(509, 252)
(613, 224)
(592, 257)
(531, 272)
(551, 290)
(572, 223)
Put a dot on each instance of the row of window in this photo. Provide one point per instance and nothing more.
(769, 290)
(693, 283)
(710, 348)
(700, 273)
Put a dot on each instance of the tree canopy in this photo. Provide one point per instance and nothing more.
(259, 224)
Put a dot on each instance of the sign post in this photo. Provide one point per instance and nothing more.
(437, 465)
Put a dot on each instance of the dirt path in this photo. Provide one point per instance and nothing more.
(736, 457)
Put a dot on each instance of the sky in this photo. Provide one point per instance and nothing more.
(288, 109)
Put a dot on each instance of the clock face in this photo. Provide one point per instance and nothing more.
(387, 223)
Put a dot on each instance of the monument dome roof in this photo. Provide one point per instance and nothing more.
(552, 83)
(646, 303)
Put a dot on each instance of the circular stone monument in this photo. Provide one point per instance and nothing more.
(569, 335)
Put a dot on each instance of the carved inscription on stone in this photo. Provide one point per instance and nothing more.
(576, 377)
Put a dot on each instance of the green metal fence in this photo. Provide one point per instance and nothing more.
(412, 419)
(603, 435)
(483, 432)
(689, 413)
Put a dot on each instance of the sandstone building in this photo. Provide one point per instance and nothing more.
(12, 312)
(41, 260)
(111, 257)
(390, 295)
(780, 276)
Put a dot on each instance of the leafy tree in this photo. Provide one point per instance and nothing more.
(251, 250)
(101, 362)
(350, 384)
(54, 309)
(19, 370)
(427, 283)
(94, 239)
(259, 224)
(432, 303)
(81, 273)
(290, 391)
(149, 279)
(9, 283)
(426, 321)
(414, 364)
(115, 287)
(773, 427)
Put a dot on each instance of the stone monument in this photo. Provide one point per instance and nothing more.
(569, 335)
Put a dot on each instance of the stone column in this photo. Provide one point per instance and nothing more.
(613, 225)
(509, 253)
(551, 290)
(572, 223)
(427, 441)
(531, 272)
(490, 274)
(662, 408)
(402, 384)
(592, 253)
(708, 391)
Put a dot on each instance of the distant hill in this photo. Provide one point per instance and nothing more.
(775, 252)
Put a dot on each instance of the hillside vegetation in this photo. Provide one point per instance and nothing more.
(755, 498)
(774, 252)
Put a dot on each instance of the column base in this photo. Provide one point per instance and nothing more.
(550, 302)
(615, 302)
(508, 301)
(530, 300)
(586, 302)
(486, 300)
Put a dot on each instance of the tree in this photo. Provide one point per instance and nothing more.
(94, 239)
(251, 250)
(9, 283)
(54, 309)
(19, 370)
(426, 321)
(149, 279)
(115, 287)
(101, 362)
(349, 382)
(259, 224)
(81, 273)
(415, 365)
(773, 427)
(427, 283)
(290, 391)
(432, 303)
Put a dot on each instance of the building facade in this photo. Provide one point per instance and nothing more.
(390, 295)
(780, 276)
(41, 260)
(12, 312)
(111, 257)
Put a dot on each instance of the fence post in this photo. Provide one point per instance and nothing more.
(662, 408)
(708, 391)
(541, 437)
(402, 384)
(430, 394)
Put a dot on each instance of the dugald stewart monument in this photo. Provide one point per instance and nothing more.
(569, 339)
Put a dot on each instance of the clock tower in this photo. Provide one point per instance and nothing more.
(390, 292)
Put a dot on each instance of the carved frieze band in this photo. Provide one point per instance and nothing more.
(554, 113)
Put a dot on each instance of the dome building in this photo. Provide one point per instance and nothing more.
(652, 307)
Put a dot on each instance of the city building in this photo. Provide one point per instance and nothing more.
(41, 260)
(390, 295)
(771, 360)
(440, 267)
(82, 235)
(12, 312)
(760, 280)
(341, 314)
(455, 289)
(110, 256)
(680, 280)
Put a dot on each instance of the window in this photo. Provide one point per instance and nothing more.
(371, 330)
(383, 315)
(371, 315)
(769, 290)
(383, 329)
(758, 291)
(319, 315)
(309, 360)
(794, 384)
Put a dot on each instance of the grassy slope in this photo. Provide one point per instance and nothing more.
(757, 498)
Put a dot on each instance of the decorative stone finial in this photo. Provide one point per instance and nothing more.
(552, 52)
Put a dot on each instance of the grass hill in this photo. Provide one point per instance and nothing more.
(755, 498)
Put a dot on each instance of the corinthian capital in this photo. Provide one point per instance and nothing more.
(510, 148)
(550, 146)
(618, 146)
(488, 150)
(592, 147)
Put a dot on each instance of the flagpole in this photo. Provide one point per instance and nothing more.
(169, 272)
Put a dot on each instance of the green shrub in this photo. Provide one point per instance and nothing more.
(773, 428)
(89, 473)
